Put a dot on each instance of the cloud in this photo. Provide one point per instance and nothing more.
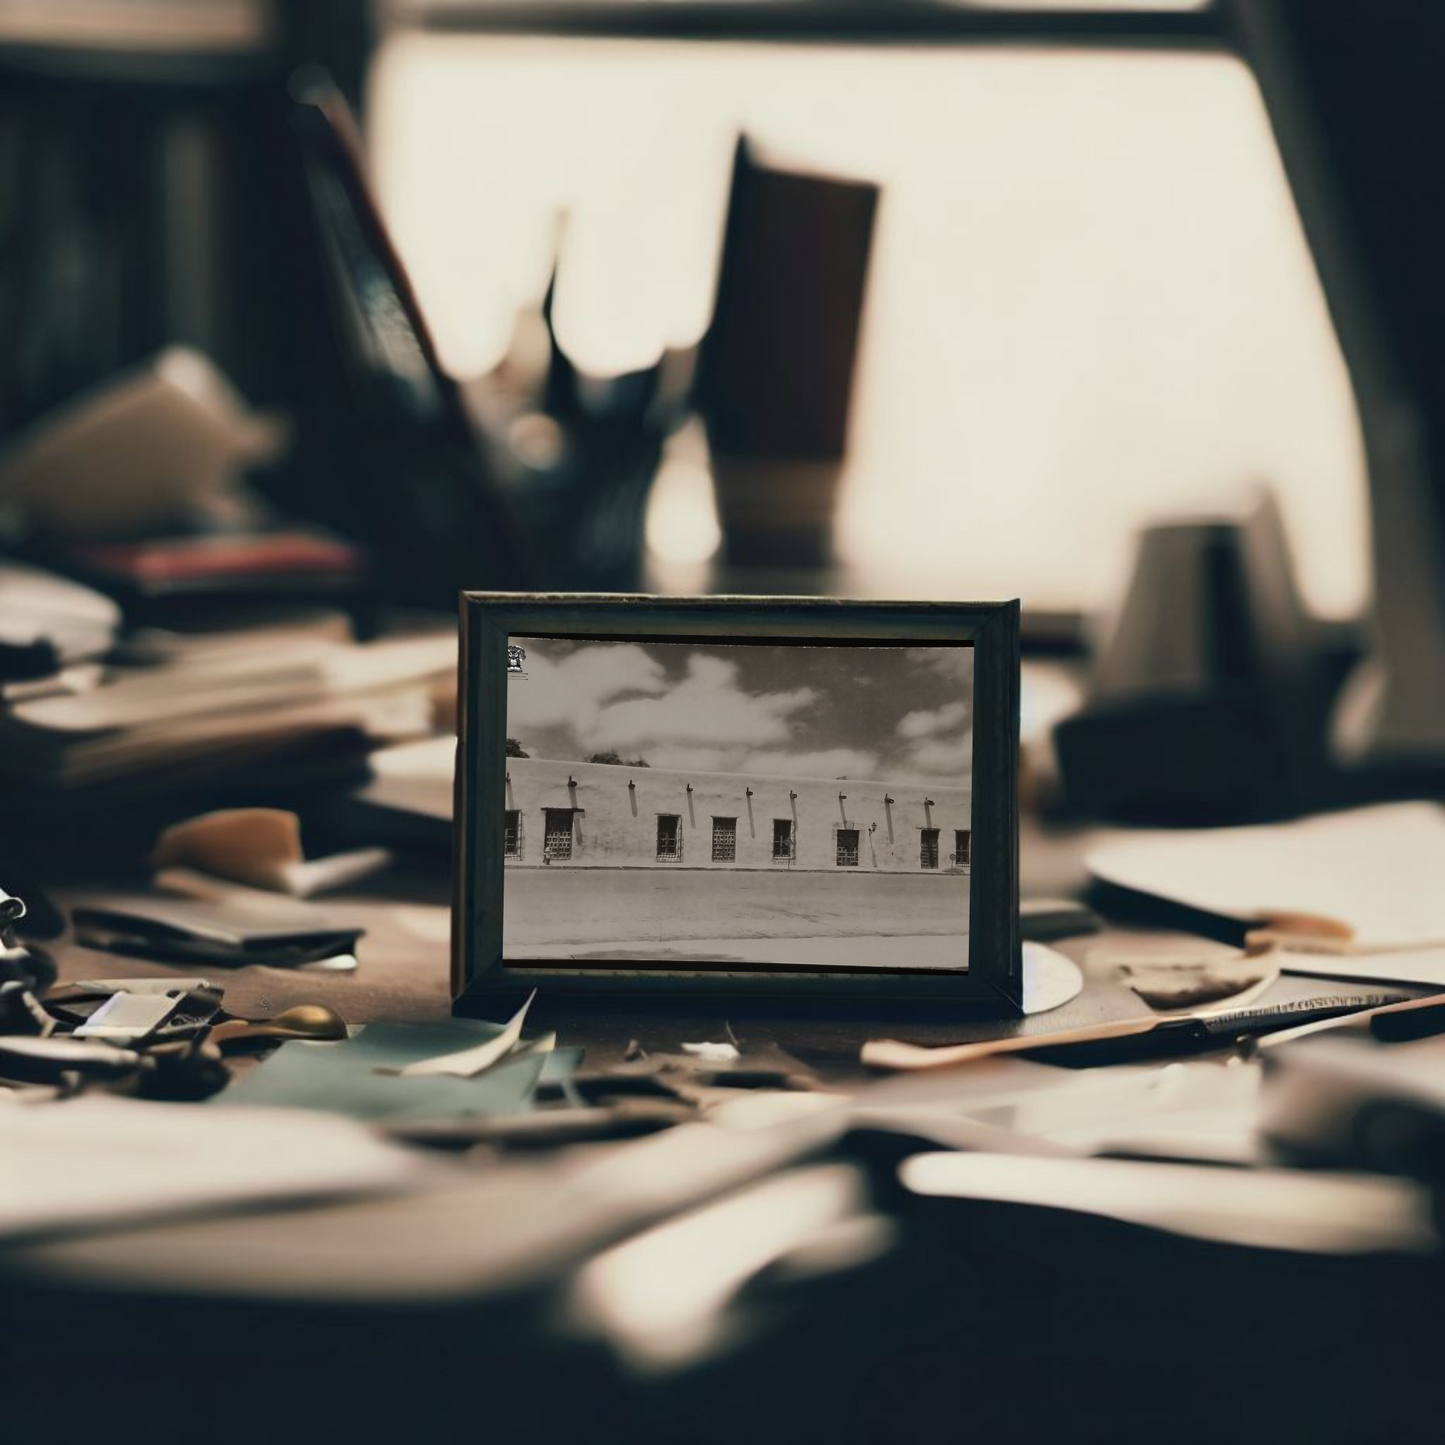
(767, 763)
(703, 760)
(571, 689)
(706, 708)
(950, 662)
(829, 763)
(939, 720)
(943, 758)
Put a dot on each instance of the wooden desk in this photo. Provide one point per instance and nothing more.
(983, 1323)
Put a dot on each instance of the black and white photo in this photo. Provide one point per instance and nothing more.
(724, 804)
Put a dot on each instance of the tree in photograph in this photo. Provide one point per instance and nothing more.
(514, 749)
(617, 760)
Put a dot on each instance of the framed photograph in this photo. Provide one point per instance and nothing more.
(737, 795)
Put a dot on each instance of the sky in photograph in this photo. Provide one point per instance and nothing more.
(881, 713)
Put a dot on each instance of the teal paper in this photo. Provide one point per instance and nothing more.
(343, 1076)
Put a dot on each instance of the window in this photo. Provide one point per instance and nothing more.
(669, 836)
(512, 833)
(961, 837)
(928, 848)
(1167, 399)
(557, 842)
(782, 837)
(724, 840)
(847, 847)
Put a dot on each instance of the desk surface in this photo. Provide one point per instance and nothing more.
(1021, 1325)
(404, 975)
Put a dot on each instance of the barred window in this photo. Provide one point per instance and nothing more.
(724, 840)
(557, 840)
(928, 848)
(782, 837)
(669, 835)
(511, 832)
(847, 847)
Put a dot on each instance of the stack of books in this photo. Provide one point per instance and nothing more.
(168, 715)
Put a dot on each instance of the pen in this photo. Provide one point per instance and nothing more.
(1411, 1018)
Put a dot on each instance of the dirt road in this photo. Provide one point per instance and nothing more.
(733, 916)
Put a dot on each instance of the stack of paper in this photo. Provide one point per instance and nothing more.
(220, 706)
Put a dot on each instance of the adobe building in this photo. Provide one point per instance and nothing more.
(607, 816)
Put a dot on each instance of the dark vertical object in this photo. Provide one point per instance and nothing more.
(1353, 93)
(338, 35)
(1209, 696)
(137, 210)
(387, 454)
(143, 203)
(775, 375)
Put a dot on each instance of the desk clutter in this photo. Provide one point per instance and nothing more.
(259, 1109)
(108, 725)
(1229, 1078)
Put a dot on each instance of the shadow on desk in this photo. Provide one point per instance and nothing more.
(984, 1323)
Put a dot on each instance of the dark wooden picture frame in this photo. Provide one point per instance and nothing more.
(993, 975)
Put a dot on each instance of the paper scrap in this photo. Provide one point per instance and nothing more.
(1169, 986)
(713, 1053)
(1266, 1208)
(127, 1017)
(468, 1063)
(96, 1162)
(363, 1076)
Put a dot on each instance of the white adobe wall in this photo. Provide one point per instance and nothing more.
(616, 826)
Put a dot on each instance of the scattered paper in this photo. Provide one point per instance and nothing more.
(713, 1053)
(128, 1017)
(98, 1162)
(468, 1063)
(1170, 986)
(1266, 1208)
(365, 1076)
(1186, 1109)
(1358, 871)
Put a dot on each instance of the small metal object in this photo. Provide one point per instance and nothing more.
(300, 1021)
(129, 1017)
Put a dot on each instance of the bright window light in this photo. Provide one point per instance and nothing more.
(1090, 303)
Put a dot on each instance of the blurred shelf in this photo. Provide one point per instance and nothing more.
(1183, 23)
